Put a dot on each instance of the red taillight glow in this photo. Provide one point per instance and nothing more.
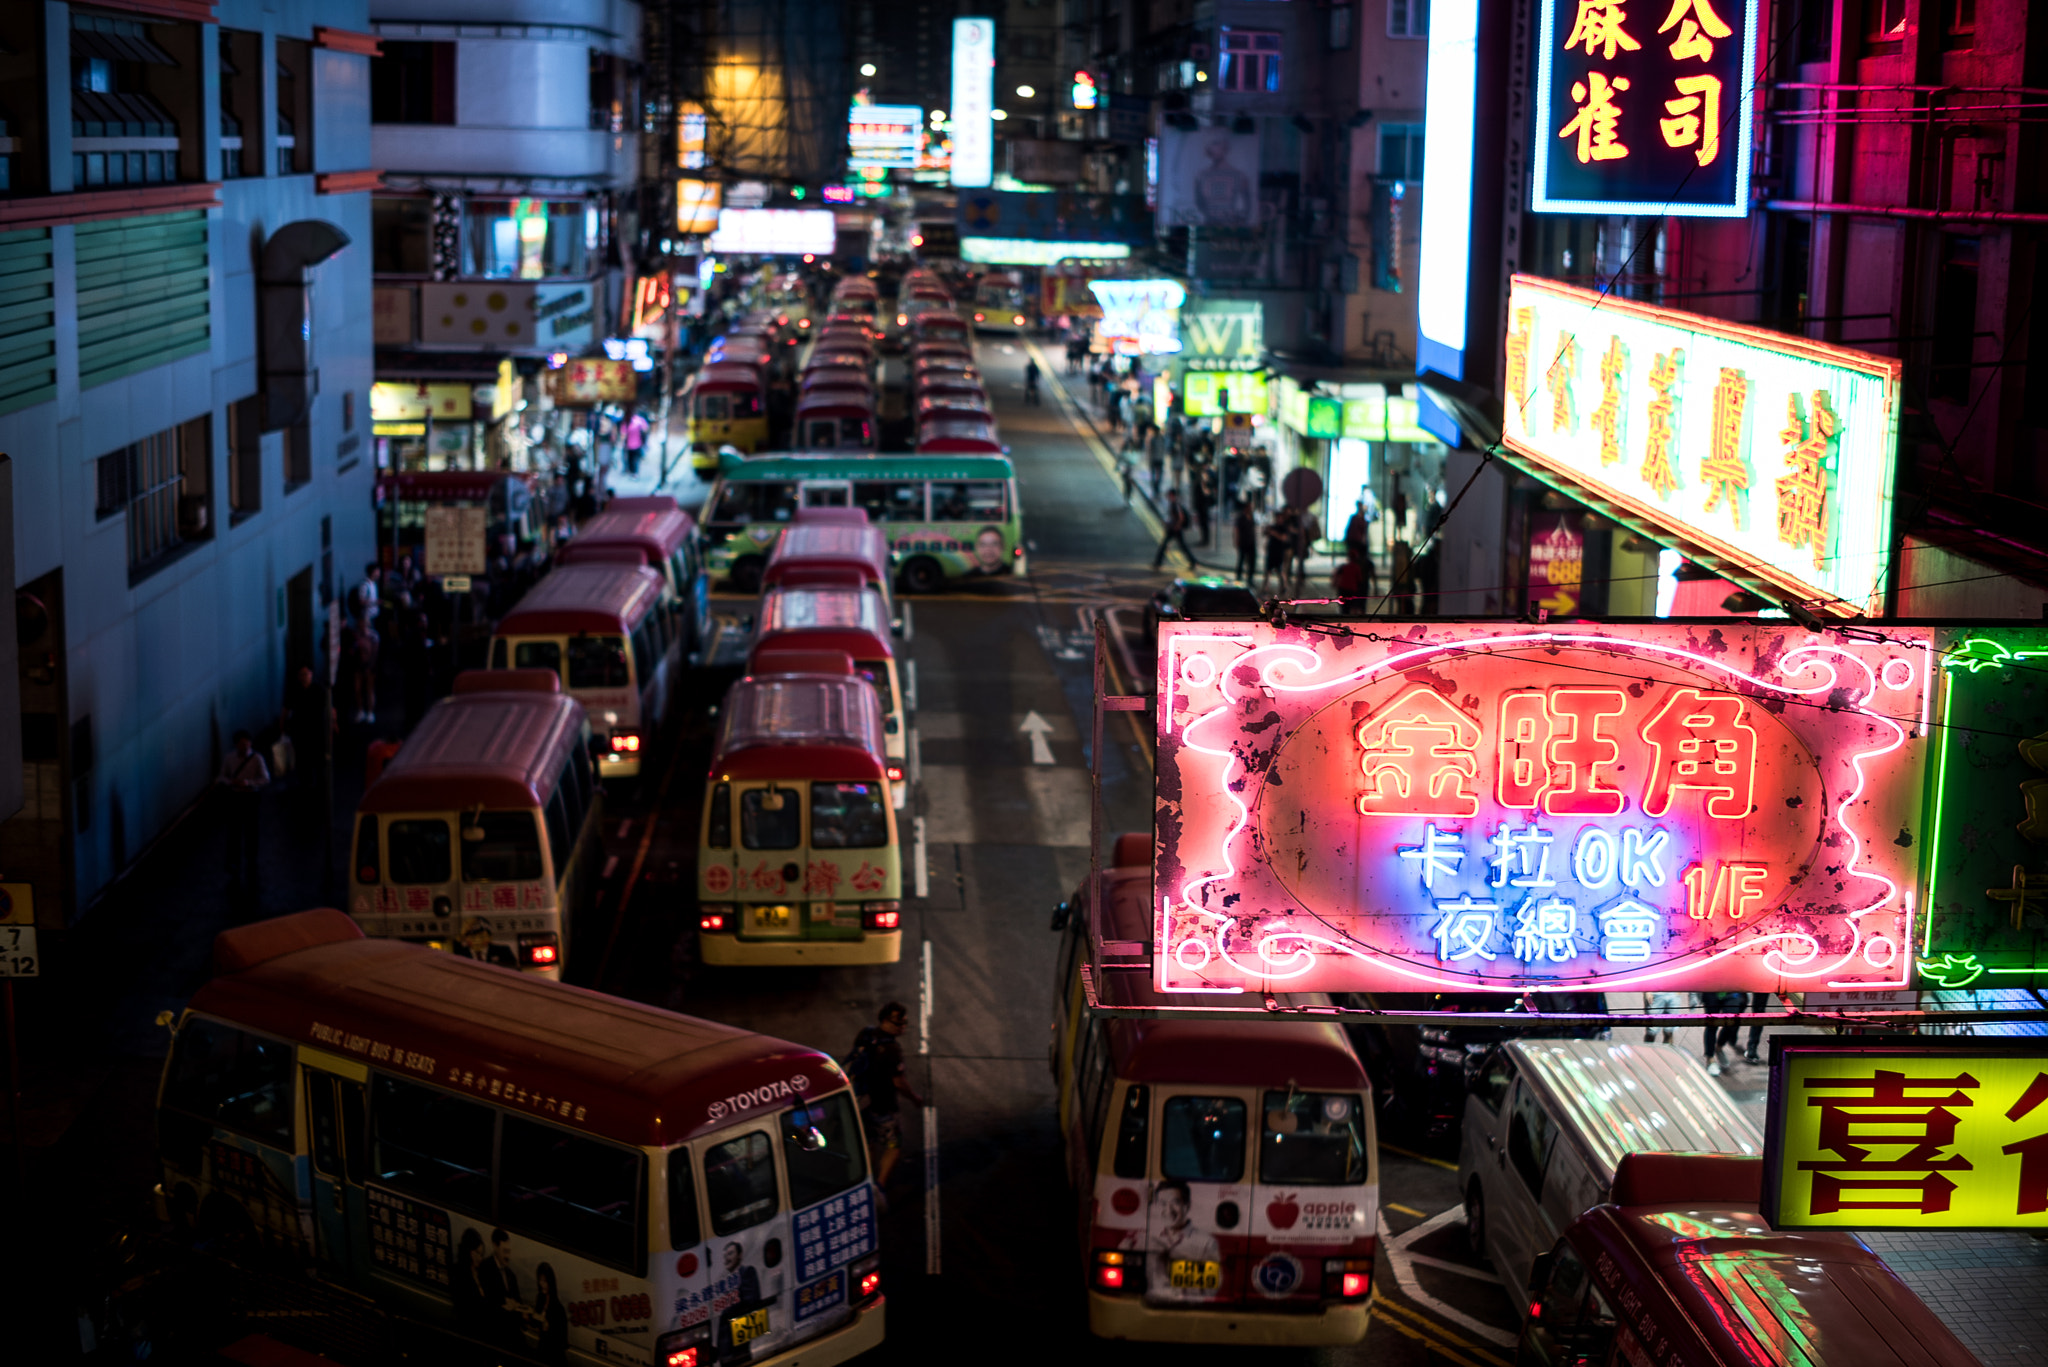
(711, 922)
(1018, 320)
(625, 742)
(542, 954)
(367, 874)
(1356, 1284)
(883, 920)
(977, 318)
(803, 322)
(870, 1285)
(1110, 1277)
(682, 1357)
(895, 772)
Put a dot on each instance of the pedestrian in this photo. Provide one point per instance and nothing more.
(1279, 548)
(635, 440)
(1349, 585)
(1175, 519)
(1720, 1035)
(1244, 531)
(1204, 500)
(1126, 411)
(1127, 471)
(1355, 528)
(1308, 532)
(362, 599)
(1031, 381)
(368, 645)
(244, 775)
(1661, 1004)
(1177, 454)
(880, 1082)
(308, 720)
(1759, 1002)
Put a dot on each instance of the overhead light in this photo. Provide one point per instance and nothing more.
(1201, 75)
(1025, 92)
(998, 115)
(938, 116)
(867, 68)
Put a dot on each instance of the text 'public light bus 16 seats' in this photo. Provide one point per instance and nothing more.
(1226, 1172)
(480, 833)
(799, 860)
(946, 518)
(854, 621)
(553, 1172)
(654, 532)
(599, 627)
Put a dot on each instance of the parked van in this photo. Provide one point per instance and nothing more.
(1681, 1271)
(1547, 1122)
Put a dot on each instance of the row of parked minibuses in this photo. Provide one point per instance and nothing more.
(1228, 1183)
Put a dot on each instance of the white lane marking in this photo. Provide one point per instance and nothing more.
(1446, 1265)
(916, 757)
(1403, 1262)
(1038, 728)
(910, 682)
(924, 1003)
(909, 631)
(918, 869)
(931, 1121)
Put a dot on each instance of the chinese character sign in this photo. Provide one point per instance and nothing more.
(1890, 1136)
(1498, 806)
(1772, 453)
(1644, 106)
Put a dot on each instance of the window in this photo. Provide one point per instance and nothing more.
(876, 672)
(529, 239)
(1529, 1139)
(1313, 1139)
(298, 456)
(1813, 29)
(294, 106)
(245, 457)
(683, 1224)
(822, 1150)
(1201, 1138)
(164, 484)
(718, 826)
(771, 818)
(1407, 18)
(597, 662)
(367, 862)
(1340, 27)
(1491, 1081)
(1248, 60)
(569, 1191)
(895, 500)
(435, 1146)
(1134, 1132)
(401, 233)
(232, 1078)
(538, 655)
(121, 134)
(1401, 151)
(754, 501)
(849, 816)
(413, 83)
(419, 851)
(967, 501)
(1571, 1321)
(500, 847)
(240, 58)
(1955, 317)
(1884, 26)
(613, 93)
(739, 1183)
(1958, 23)
(714, 407)
(575, 803)
(560, 838)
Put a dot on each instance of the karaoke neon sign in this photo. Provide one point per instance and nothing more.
(1496, 806)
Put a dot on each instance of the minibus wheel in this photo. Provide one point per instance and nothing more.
(923, 575)
(1475, 1218)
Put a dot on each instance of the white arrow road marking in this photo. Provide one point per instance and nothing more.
(1038, 728)
(1403, 1264)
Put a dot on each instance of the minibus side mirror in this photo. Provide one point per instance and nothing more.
(1539, 1279)
(772, 800)
(1060, 913)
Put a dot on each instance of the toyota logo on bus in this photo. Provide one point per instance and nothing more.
(791, 1089)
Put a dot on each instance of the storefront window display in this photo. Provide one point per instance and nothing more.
(530, 239)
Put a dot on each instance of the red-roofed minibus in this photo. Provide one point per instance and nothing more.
(600, 628)
(854, 620)
(1227, 1172)
(480, 833)
(965, 435)
(836, 418)
(821, 549)
(1680, 1270)
(728, 407)
(553, 1173)
(665, 539)
(938, 323)
(798, 860)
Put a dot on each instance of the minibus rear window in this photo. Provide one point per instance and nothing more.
(766, 827)
(1313, 1139)
(1202, 1138)
(822, 1149)
(538, 655)
(500, 847)
(419, 851)
(848, 816)
(739, 1183)
(597, 662)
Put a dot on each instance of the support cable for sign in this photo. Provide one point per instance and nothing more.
(1117, 954)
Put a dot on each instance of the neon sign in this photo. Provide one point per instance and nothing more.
(1498, 806)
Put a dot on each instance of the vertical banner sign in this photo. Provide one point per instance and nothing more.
(1907, 1135)
(1767, 454)
(1557, 562)
(1497, 806)
(974, 100)
(1644, 108)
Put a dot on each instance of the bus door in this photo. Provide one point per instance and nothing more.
(338, 1143)
(749, 1263)
(1313, 1207)
(1199, 1216)
(420, 885)
(827, 493)
(769, 858)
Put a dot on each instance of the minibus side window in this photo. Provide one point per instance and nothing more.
(896, 500)
(579, 761)
(735, 503)
(573, 805)
(1202, 1138)
(644, 653)
(739, 1183)
(876, 672)
(777, 500)
(232, 1078)
(848, 816)
(499, 847)
(1530, 1133)
(821, 1150)
(764, 829)
(1491, 1080)
(436, 1146)
(559, 838)
(367, 862)
(538, 655)
(1134, 1132)
(1313, 1139)
(1570, 1322)
(419, 851)
(597, 662)
(713, 407)
(1092, 1082)
(718, 829)
(682, 1201)
(570, 1191)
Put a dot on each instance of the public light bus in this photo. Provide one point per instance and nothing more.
(836, 418)
(798, 859)
(656, 533)
(550, 1172)
(821, 550)
(957, 435)
(855, 621)
(599, 628)
(1227, 1172)
(728, 407)
(946, 519)
(1001, 304)
(480, 834)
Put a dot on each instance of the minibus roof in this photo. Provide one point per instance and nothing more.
(958, 434)
(655, 532)
(497, 750)
(728, 376)
(839, 545)
(825, 401)
(1635, 1098)
(643, 503)
(827, 619)
(800, 726)
(630, 1073)
(584, 598)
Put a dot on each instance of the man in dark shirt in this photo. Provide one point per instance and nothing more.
(883, 1079)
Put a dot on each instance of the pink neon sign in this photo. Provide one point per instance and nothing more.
(1486, 805)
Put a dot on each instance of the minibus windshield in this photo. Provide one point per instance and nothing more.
(848, 816)
(500, 847)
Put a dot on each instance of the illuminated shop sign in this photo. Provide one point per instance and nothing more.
(1644, 108)
(887, 136)
(774, 232)
(1140, 316)
(1490, 805)
(1770, 453)
(1907, 1136)
(969, 117)
(1022, 251)
(1209, 393)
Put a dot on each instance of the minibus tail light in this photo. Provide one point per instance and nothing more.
(1347, 1279)
(881, 916)
(1109, 1269)
(895, 772)
(685, 1348)
(540, 951)
(625, 742)
(866, 1276)
(715, 917)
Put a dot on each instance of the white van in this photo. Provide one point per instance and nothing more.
(1547, 1122)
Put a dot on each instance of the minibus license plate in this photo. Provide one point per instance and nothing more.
(1188, 1275)
(750, 1326)
(770, 919)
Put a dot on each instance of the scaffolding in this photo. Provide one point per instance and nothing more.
(773, 78)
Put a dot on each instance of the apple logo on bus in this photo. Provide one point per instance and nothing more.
(1283, 1212)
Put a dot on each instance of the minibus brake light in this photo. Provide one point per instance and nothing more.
(540, 951)
(1347, 1279)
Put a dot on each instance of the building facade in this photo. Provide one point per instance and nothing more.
(183, 179)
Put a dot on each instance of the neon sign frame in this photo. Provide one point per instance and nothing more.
(1233, 698)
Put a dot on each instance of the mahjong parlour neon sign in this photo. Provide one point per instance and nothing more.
(1485, 805)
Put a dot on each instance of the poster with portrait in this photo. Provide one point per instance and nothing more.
(1208, 178)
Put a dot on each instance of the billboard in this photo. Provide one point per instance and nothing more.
(697, 205)
(774, 232)
(888, 136)
(970, 115)
(1904, 1134)
(1208, 178)
(1498, 806)
(1029, 251)
(1141, 317)
(1225, 334)
(1769, 456)
(1636, 116)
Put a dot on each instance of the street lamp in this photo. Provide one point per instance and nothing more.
(998, 115)
(867, 68)
(1025, 92)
